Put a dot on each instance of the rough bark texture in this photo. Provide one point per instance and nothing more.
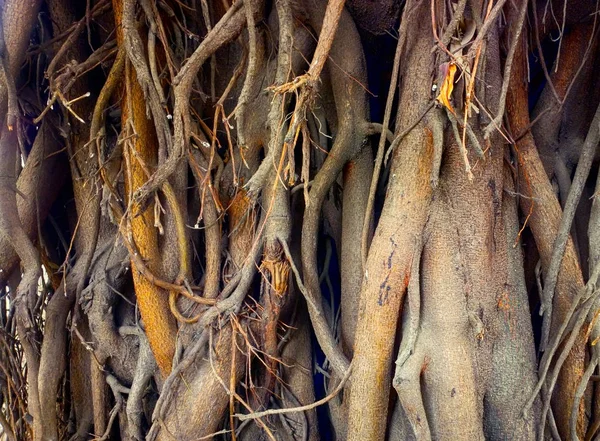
(160, 325)
(396, 240)
(544, 223)
(201, 238)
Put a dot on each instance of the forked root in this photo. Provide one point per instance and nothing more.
(407, 382)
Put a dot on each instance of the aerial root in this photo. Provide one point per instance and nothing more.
(407, 382)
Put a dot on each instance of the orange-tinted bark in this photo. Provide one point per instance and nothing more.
(160, 325)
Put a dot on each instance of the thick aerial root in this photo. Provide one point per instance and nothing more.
(43, 164)
(437, 384)
(160, 324)
(412, 317)
(53, 359)
(297, 372)
(26, 292)
(80, 363)
(213, 232)
(227, 29)
(544, 218)
(513, 360)
(583, 385)
(350, 136)
(354, 206)
(434, 281)
(387, 273)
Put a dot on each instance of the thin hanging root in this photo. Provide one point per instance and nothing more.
(409, 129)
(530, 195)
(140, 266)
(307, 81)
(292, 86)
(471, 86)
(249, 6)
(330, 396)
(409, 366)
(232, 391)
(461, 147)
(517, 30)
(232, 384)
(457, 18)
(305, 173)
(551, 419)
(559, 363)
(110, 85)
(209, 210)
(473, 138)
(228, 27)
(300, 422)
(549, 354)
(145, 368)
(318, 309)
(184, 259)
(118, 390)
(178, 315)
(580, 392)
(380, 148)
(581, 174)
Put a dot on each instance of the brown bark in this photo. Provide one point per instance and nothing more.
(53, 360)
(357, 175)
(26, 292)
(544, 223)
(297, 372)
(394, 244)
(442, 291)
(35, 199)
(474, 353)
(377, 17)
(577, 49)
(201, 397)
(160, 324)
(81, 365)
(17, 20)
